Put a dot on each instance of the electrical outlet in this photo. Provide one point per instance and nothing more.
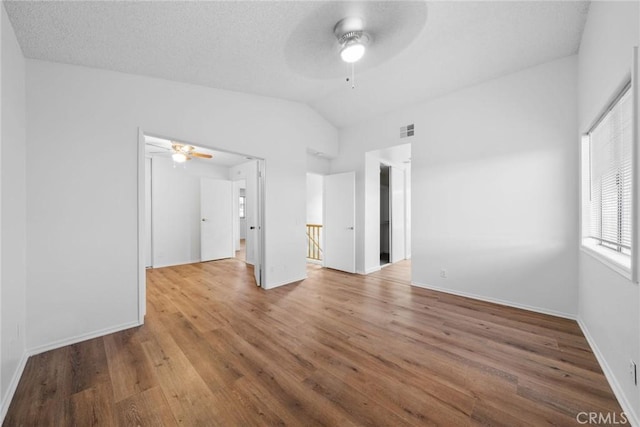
(443, 273)
(633, 374)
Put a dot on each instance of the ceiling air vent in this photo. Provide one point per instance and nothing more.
(406, 131)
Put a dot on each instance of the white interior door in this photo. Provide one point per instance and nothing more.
(251, 212)
(397, 214)
(339, 221)
(258, 231)
(216, 215)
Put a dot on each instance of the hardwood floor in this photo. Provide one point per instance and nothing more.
(241, 253)
(335, 349)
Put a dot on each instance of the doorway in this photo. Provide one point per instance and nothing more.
(315, 220)
(240, 219)
(174, 226)
(385, 215)
(387, 198)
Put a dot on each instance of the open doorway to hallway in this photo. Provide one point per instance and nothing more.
(314, 227)
(331, 224)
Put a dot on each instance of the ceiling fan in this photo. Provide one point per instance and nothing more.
(184, 152)
(366, 32)
(180, 153)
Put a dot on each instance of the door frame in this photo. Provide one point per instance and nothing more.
(260, 214)
(390, 213)
(142, 274)
(401, 220)
(148, 239)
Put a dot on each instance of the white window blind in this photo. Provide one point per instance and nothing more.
(610, 178)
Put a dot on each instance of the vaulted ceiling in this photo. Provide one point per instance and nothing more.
(287, 49)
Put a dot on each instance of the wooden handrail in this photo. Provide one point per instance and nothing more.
(314, 251)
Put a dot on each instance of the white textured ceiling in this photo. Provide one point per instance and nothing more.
(279, 48)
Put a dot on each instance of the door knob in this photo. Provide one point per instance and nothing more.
(349, 228)
(252, 228)
(204, 219)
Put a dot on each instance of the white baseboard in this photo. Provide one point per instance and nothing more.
(286, 282)
(608, 373)
(496, 301)
(79, 338)
(369, 270)
(195, 261)
(13, 385)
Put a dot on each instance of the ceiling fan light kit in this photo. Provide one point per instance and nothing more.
(351, 38)
(353, 42)
(179, 157)
(352, 51)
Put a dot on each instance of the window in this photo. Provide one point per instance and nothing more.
(241, 206)
(607, 184)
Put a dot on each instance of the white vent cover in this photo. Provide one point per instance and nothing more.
(406, 131)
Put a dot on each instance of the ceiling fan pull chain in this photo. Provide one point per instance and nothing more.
(353, 75)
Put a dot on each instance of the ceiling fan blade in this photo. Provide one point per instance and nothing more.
(201, 155)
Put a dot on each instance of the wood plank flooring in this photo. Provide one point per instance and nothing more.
(335, 349)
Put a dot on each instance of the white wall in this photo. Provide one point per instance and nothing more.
(482, 209)
(176, 209)
(315, 188)
(82, 214)
(318, 165)
(609, 303)
(12, 216)
(4, 398)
